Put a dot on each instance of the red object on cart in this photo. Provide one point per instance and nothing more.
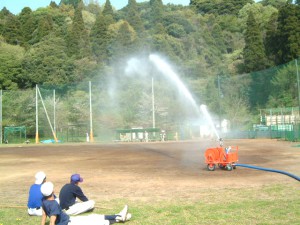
(225, 158)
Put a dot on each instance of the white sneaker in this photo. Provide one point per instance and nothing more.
(106, 222)
(123, 214)
(128, 216)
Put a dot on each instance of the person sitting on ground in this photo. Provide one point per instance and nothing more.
(35, 195)
(69, 194)
(57, 216)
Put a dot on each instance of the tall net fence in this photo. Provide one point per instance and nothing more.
(268, 100)
(261, 104)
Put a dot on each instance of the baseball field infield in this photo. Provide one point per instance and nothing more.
(163, 182)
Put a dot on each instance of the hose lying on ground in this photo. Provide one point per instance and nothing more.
(269, 170)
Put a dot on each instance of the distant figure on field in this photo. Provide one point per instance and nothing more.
(227, 150)
(221, 142)
(163, 135)
(87, 137)
(146, 136)
(57, 216)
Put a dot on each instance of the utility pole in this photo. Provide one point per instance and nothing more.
(298, 85)
(220, 96)
(153, 105)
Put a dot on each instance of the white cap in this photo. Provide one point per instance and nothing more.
(47, 188)
(39, 177)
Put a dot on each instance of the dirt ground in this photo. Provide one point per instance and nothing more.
(142, 171)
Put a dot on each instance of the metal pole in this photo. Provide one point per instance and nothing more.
(153, 106)
(91, 114)
(54, 114)
(219, 89)
(1, 117)
(54, 135)
(36, 116)
(298, 85)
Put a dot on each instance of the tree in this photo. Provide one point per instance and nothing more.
(4, 15)
(270, 41)
(100, 39)
(255, 60)
(157, 10)
(284, 89)
(45, 27)
(77, 104)
(254, 53)
(11, 66)
(219, 7)
(27, 24)
(133, 17)
(53, 5)
(78, 39)
(108, 12)
(47, 63)
(176, 30)
(12, 30)
(174, 18)
(19, 109)
(93, 7)
(123, 41)
(288, 35)
(266, 20)
(238, 99)
(75, 3)
(219, 38)
(4, 12)
(262, 14)
(275, 3)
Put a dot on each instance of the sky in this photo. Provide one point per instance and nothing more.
(15, 6)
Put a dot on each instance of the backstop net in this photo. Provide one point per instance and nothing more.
(14, 135)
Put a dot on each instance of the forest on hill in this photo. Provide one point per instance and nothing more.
(236, 56)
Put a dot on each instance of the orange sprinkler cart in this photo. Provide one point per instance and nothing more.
(225, 158)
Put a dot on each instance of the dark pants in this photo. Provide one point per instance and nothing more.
(111, 218)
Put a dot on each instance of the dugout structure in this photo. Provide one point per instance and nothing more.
(278, 123)
(14, 134)
(138, 134)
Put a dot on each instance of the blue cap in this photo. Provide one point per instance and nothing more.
(76, 178)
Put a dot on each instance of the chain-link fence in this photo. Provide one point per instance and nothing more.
(263, 104)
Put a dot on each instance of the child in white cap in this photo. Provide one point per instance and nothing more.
(35, 195)
(57, 216)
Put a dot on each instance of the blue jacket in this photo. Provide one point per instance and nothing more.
(35, 196)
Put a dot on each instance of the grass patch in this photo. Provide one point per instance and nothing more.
(274, 204)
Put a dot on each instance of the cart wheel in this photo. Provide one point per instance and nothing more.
(211, 167)
(229, 166)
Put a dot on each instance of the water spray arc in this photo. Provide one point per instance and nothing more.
(166, 70)
(208, 117)
(213, 156)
